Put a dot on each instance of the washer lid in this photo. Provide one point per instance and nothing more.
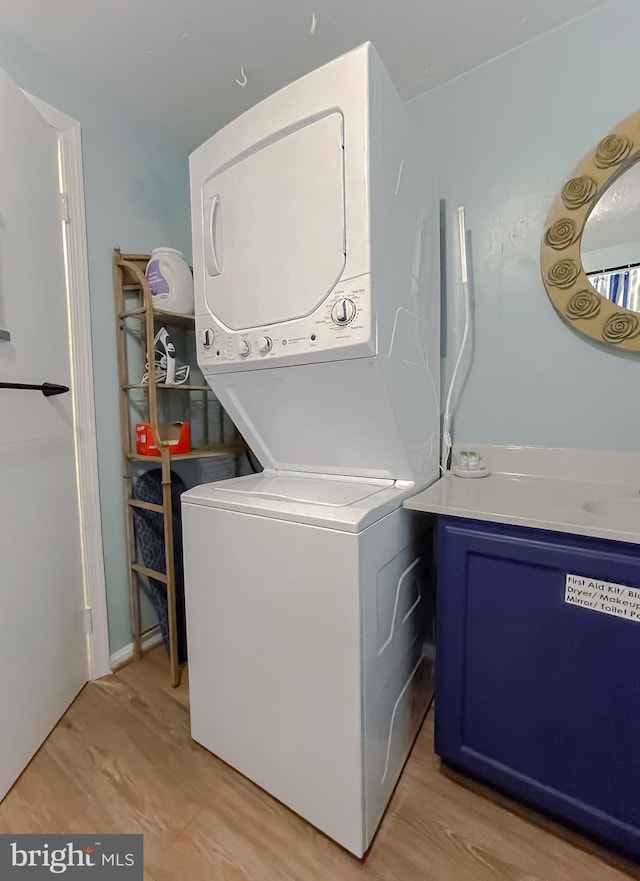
(314, 491)
(335, 503)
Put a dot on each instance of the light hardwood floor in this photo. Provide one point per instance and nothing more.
(121, 760)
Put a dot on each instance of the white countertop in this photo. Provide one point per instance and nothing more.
(582, 507)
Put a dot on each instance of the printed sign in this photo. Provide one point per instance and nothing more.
(603, 596)
(99, 857)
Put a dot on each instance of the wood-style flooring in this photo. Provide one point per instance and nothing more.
(121, 760)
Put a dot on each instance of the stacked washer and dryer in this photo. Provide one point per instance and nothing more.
(309, 603)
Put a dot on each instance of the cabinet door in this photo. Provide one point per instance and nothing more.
(534, 695)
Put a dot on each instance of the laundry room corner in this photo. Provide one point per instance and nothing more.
(351, 372)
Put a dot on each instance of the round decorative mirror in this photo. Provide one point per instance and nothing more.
(590, 254)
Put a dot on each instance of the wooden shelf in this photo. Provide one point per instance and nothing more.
(219, 451)
(164, 385)
(133, 300)
(160, 315)
(134, 258)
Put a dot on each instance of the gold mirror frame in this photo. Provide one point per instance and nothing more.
(568, 287)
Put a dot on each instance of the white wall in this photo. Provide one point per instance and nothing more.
(502, 141)
(137, 197)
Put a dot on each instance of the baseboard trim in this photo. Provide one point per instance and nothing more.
(125, 654)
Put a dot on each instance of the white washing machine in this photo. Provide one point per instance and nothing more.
(310, 640)
(309, 612)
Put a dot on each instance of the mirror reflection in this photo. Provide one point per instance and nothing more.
(610, 245)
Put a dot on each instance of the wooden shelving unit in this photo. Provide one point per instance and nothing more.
(130, 284)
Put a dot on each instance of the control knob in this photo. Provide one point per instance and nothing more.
(208, 337)
(343, 311)
(265, 344)
(244, 349)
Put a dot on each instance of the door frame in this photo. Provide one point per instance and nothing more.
(81, 362)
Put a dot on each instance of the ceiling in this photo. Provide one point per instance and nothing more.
(179, 63)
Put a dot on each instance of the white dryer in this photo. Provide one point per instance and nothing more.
(309, 614)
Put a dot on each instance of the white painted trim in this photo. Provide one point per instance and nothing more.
(124, 655)
(82, 386)
(54, 117)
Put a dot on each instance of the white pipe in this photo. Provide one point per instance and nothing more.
(447, 443)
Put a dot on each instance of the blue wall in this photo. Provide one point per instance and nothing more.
(137, 197)
(502, 140)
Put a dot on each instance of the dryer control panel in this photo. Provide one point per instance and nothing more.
(341, 327)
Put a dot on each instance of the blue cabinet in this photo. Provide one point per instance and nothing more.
(537, 696)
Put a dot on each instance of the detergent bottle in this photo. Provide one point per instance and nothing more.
(170, 281)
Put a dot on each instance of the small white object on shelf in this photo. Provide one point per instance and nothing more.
(470, 465)
(170, 281)
(482, 471)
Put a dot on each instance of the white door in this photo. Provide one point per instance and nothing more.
(43, 648)
(273, 228)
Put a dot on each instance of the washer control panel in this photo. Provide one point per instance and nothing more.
(342, 322)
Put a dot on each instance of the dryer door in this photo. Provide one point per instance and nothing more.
(273, 228)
